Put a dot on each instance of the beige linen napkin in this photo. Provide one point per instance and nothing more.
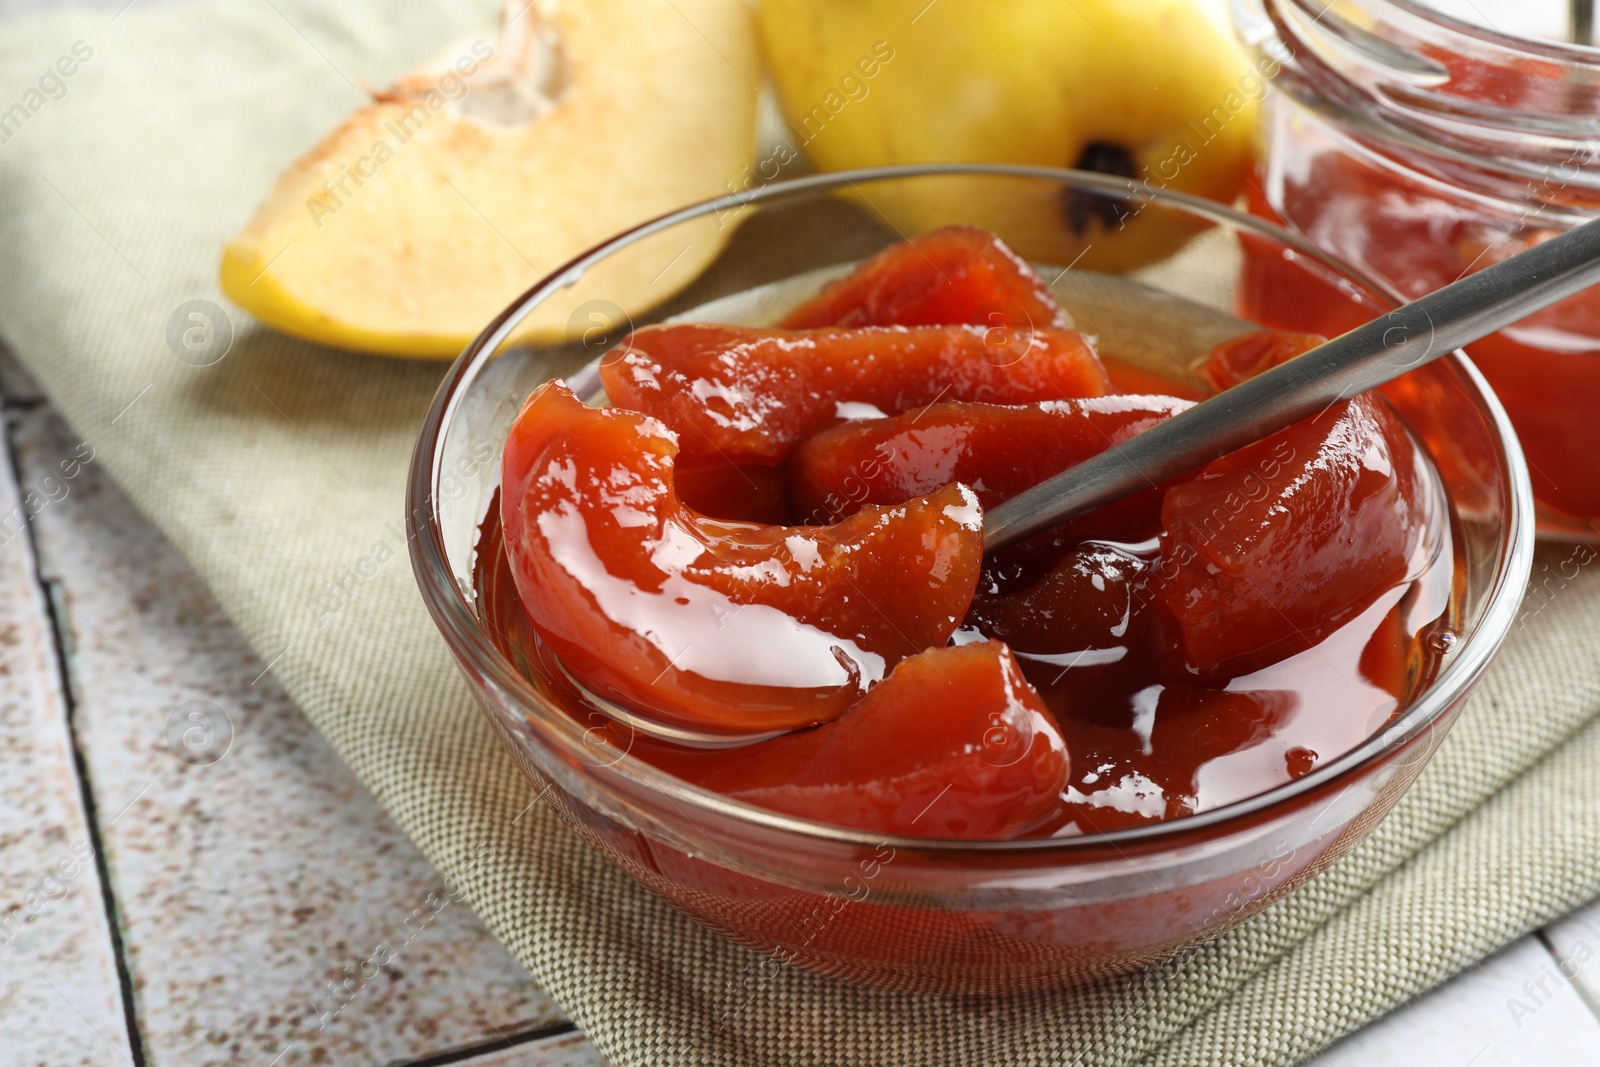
(276, 470)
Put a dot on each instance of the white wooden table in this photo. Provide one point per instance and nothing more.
(188, 874)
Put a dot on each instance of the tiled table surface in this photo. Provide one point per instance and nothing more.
(189, 875)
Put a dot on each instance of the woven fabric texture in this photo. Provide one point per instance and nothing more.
(281, 467)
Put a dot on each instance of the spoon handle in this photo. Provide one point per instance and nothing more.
(1351, 363)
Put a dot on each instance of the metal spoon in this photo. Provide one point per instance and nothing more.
(1366, 357)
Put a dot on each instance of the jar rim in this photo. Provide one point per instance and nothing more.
(1481, 106)
(1566, 51)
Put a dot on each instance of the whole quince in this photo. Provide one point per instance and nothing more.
(1154, 91)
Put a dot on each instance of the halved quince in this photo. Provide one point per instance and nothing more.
(410, 226)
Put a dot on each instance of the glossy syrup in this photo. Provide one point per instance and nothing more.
(1143, 747)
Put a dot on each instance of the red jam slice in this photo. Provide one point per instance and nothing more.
(958, 274)
(954, 744)
(1273, 547)
(748, 396)
(997, 450)
(717, 625)
(1249, 354)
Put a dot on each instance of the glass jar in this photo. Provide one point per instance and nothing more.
(1418, 148)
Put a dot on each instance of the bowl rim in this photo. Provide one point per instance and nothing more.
(452, 614)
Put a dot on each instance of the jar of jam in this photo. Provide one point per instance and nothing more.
(1419, 147)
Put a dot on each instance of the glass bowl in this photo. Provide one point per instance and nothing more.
(951, 916)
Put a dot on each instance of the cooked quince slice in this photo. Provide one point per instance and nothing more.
(750, 395)
(410, 226)
(720, 627)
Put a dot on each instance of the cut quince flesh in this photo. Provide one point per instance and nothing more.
(407, 229)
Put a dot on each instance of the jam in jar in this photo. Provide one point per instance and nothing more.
(1419, 148)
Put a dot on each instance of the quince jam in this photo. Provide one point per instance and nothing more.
(1404, 230)
(773, 538)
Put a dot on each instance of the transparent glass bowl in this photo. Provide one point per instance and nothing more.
(944, 915)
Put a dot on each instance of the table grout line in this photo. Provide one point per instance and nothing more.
(79, 765)
(510, 1041)
(1584, 993)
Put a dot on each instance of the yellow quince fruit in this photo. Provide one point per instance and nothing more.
(1151, 91)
